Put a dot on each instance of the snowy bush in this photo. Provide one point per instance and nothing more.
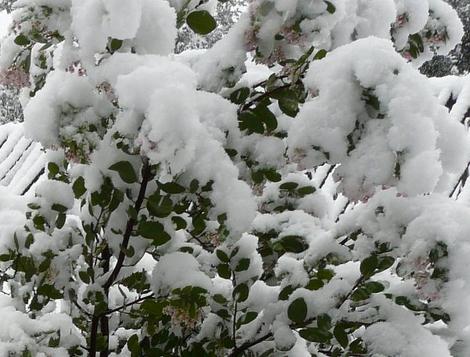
(201, 204)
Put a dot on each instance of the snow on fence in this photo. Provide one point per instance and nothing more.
(22, 161)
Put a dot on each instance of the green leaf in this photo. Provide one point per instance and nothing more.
(26, 265)
(53, 169)
(6, 257)
(78, 187)
(152, 307)
(315, 284)
(223, 314)
(224, 271)
(249, 316)
(240, 95)
(360, 294)
(289, 104)
(330, 7)
(324, 321)
(297, 310)
(257, 176)
(385, 263)
(220, 299)
(369, 265)
(221, 218)
(179, 222)
(59, 208)
(320, 54)
(54, 342)
(172, 187)
(289, 186)
(243, 264)
(39, 222)
(149, 230)
(374, 287)
(265, 116)
(223, 257)
(193, 186)
(240, 293)
(293, 244)
(272, 175)
(251, 122)
(125, 171)
(22, 40)
(341, 335)
(115, 44)
(60, 221)
(158, 206)
(84, 276)
(231, 152)
(201, 22)
(286, 292)
(134, 346)
(199, 224)
(357, 346)
(306, 190)
(315, 334)
(402, 300)
(50, 291)
(33, 206)
(162, 238)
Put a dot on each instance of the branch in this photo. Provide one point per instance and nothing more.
(462, 179)
(261, 96)
(130, 225)
(330, 170)
(142, 298)
(239, 350)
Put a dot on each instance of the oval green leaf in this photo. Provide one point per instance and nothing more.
(201, 22)
(297, 310)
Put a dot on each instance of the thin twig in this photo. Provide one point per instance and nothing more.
(142, 298)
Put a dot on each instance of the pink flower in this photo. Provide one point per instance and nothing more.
(407, 55)
(14, 77)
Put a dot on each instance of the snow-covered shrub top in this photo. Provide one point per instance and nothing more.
(188, 209)
(368, 120)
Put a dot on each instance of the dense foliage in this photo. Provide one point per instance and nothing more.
(203, 205)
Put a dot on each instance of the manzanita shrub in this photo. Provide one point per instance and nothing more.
(284, 193)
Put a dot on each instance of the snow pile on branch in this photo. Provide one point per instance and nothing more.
(372, 127)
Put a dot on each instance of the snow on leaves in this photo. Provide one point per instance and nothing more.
(185, 212)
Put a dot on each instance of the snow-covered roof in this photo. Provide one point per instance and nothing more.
(22, 161)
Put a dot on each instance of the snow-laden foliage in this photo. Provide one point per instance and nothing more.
(189, 208)
(458, 60)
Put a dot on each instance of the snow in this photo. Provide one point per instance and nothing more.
(429, 220)
(55, 192)
(402, 335)
(178, 270)
(4, 23)
(373, 141)
(328, 119)
(283, 336)
(77, 97)
(149, 24)
(122, 18)
(17, 334)
(183, 129)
